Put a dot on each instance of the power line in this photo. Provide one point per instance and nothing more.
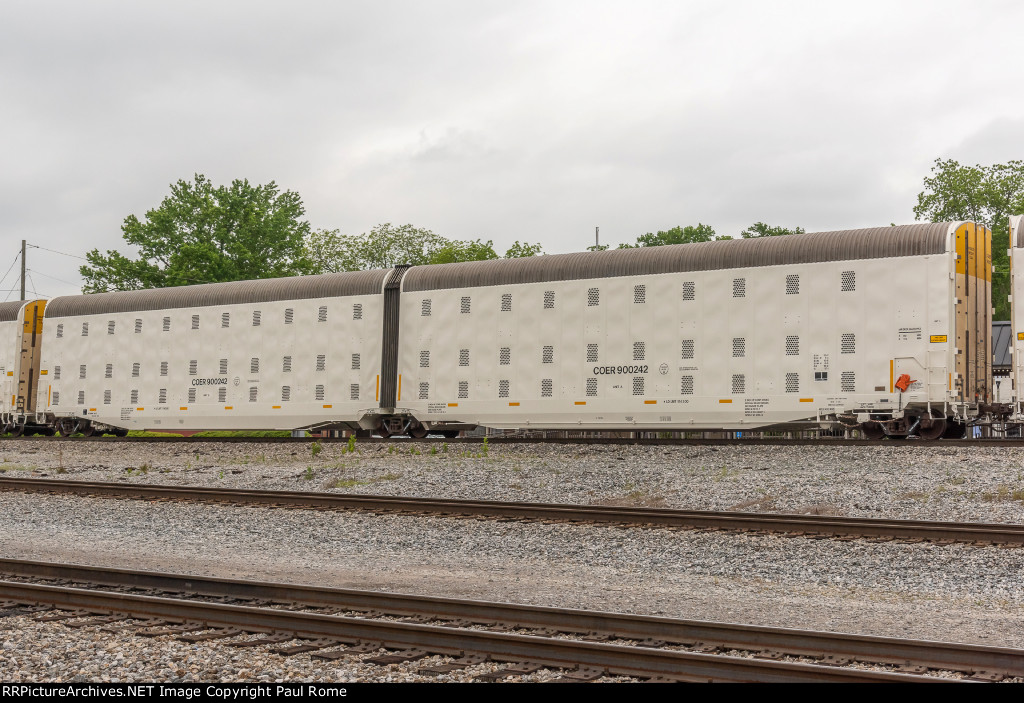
(45, 275)
(62, 253)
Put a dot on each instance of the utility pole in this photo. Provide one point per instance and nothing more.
(22, 269)
(597, 242)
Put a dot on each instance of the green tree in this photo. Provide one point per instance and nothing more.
(203, 233)
(760, 229)
(455, 251)
(676, 235)
(523, 250)
(987, 195)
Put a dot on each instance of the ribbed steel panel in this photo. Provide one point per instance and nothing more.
(1017, 223)
(296, 288)
(9, 311)
(874, 243)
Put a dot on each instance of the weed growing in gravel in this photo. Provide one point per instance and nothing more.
(352, 482)
(414, 451)
(315, 448)
(220, 475)
(309, 473)
(351, 446)
(144, 469)
(433, 450)
(1004, 492)
(444, 447)
(484, 450)
(391, 449)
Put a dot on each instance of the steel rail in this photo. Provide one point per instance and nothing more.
(885, 650)
(562, 653)
(987, 533)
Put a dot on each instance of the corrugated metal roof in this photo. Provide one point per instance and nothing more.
(9, 311)
(1002, 338)
(327, 285)
(878, 242)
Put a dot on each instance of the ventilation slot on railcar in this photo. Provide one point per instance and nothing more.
(463, 357)
(793, 284)
(639, 351)
(286, 364)
(195, 322)
(463, 389)
(424, 359)
(286, 393)
(225, 319)
(289, 316)
(464, 308)
(687, 349)
(222, 395)
(792, 345)
(549, 299)
(739, 383)
(848, 344)
(591, 353)
(592, 387)
(505, 356)
(848, 382)
(193, 367)
(686, 385)
(81, 397)
(167, 324)
(81, 371)
(321, 361)
(106, 397)
(223, 367)
(739, 346)
(792, 383)
(191, 395)
(321, 315)
(689, 290)
(546, 388)
(109, 371)
(849, 281)
(357, 311)
(593, 297)
(138, 325)
(739, 288)
(425, 307)
(638, 385)
(163, 368)
(252, 394)
(134, 397)
(506, 302)
(319, 392)
(503, 388)
(257, 316)
(162, 396)
(424, 391)
(639, 294)
(85, 329)
(254, 365)
(60, 330)
(136, 368)
(355, 362)
(56, 398)
(110, 327)
(56, 373)
(547, 354)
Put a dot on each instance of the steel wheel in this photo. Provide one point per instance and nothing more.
(936, 430)
(417, 431)
(872, 430)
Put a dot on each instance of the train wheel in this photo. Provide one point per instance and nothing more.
(417, 431)
(872, 430)
(121, 433)
(933, 432)
(67, 426)
(47, 431)
(16, 429)
(88, 430)
(383, 430)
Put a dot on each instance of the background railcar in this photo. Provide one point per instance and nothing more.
(20, 344)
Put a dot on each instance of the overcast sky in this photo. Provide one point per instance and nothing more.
(504, 120)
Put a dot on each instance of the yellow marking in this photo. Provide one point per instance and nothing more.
(936, 338)
(950, 381)
(725, 400)
(92, 410)
(453, 405)
(140, 409)
(890, 374)
(377, 393)
(43, 372)
(578, 402)
(229, 407)
(807, 400)
(513, 405)
(1020, 335)
(399, 386)
(275, 407)
(650, 402)
(961, 250)
(183, 407)
(328, 406)
(10, 373)
(48, 389)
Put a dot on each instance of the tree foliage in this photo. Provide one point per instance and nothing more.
(387, 245)
(987, 195)
(760, 229)
(202, 233)
(676, 235)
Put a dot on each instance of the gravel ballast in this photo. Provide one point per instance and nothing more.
(950, 592)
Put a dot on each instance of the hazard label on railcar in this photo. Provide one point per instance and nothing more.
(935, 338)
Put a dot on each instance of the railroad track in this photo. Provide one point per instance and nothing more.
(788, 525)
(612, 441)
(584, 645)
